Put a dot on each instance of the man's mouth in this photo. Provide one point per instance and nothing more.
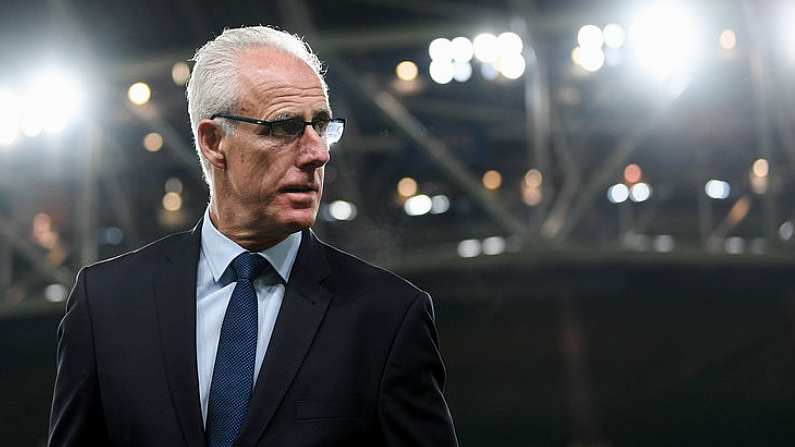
(299, 188)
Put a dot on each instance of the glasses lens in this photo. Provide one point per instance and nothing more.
(287, 128)
(320, 126)
(333, 131)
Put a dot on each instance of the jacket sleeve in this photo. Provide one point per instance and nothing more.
(76, 418)
(411, 407)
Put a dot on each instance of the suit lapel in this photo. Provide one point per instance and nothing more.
(175, 299)
(303, 308)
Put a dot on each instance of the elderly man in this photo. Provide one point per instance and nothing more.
(248, 330)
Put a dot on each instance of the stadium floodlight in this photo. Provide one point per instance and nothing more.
(462, 71)
(461, 49)
(509, 43)
(511, 66)
(442, 71)
(57, 98)
(614, 35)
(590, 36)
(441, 49)
(591, 59)
(666, 41)
(486, 47)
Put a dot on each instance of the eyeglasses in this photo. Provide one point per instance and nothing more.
(330, 129)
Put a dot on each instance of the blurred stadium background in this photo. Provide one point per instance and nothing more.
(598, 194)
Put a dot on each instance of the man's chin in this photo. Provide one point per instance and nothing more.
(300, 221)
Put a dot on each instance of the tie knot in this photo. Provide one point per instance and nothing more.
(248, 266)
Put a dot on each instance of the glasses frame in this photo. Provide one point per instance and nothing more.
(269, 124)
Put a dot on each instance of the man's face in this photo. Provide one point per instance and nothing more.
(278, 180)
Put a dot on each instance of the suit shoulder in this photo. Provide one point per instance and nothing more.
(144, 254)
(362, 273)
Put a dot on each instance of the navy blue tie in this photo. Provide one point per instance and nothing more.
(233, 374)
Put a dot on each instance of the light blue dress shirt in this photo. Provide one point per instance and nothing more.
(214, 286)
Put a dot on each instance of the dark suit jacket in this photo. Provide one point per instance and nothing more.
(353, 359)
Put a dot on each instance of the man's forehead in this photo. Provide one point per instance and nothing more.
(276, 64)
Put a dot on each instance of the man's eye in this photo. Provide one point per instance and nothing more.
(320, 125)
(287, 128)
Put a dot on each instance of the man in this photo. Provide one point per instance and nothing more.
(248, 330)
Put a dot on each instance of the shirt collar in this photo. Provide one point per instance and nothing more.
(220, 251)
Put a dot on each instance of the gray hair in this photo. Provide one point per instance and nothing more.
(214, 86)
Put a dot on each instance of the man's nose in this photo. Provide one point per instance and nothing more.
(313, 151)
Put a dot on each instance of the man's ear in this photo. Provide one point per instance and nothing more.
(209, 135)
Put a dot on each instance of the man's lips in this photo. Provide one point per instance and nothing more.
(306, 188)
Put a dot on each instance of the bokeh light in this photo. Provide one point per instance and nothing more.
(590, 36)
(342, 210)
(717, 189)
(486, 47)
(442, 71)
(407, 187)
(418, 205)
(462, 49)
(153, 142)
(407, 71)
(441, 49)
(614, 35)
(728, 39)
(180, 73)
(172, 201)
(632, 173)
(139, 93)
(492, 180)
(618, 193)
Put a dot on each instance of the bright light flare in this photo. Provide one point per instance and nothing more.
(9, 117)
(52, 100)
(666, 41)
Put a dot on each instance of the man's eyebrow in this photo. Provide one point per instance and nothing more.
(325, 113)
